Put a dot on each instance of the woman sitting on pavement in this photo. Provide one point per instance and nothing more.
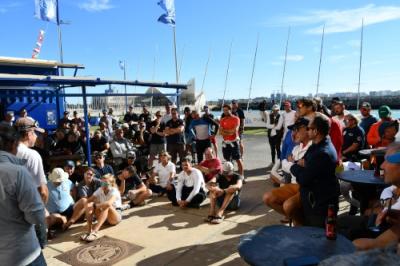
(86, 188)
(105, 204)
(132, 187)
(61, 203)
(165, 170)
(224, 193)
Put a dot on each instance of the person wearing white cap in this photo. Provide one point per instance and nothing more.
(275, 132)
(224, 193)
(61, 203)
(27, 129)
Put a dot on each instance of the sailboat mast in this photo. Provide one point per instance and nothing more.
(320, 59)
(284, 67)
(359, 70)
(226, 75)
(252, 73)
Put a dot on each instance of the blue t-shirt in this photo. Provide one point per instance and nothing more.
(287, 145)
(59, 196)
(366, 123)
(107, 169)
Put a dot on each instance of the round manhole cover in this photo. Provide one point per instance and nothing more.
(99, 253)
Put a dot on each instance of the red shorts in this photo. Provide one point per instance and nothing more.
(213, 140)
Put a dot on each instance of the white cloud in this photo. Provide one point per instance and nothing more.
(4, 8)
(96, 5)
(293, 58)
(345, 20)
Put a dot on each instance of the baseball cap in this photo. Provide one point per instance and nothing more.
(24, 124)
(205, 107)
(66, 112)
(58, 175)
(366, 105)
(393, 158)
(130, 106)
(227, 167)
(98, 154)
(234, 101)
(69, 163)
(131, 154)
(384, 111)
(299, 122)
(187, 109)
(275, 107)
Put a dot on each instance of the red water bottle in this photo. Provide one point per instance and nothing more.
(330, 225)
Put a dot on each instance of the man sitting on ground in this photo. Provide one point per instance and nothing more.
(211, 166)
(100, 167)
(224, 193)
(132, 187)
(189, 191)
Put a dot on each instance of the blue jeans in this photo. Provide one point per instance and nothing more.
(39, 261)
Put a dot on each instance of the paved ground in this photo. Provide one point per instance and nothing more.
(171, 236)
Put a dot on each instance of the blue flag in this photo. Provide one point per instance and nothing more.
(46, 10)
(169, 16)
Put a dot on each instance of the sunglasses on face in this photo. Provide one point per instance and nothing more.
(104, 184)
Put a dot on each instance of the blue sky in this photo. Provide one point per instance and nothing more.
(102, 32)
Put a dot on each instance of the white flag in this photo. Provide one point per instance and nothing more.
(46, 10)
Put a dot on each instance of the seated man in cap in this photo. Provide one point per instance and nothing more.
(61, 203)
(100, 167)
(373, 136)
(224, 193)
(286, 199)
(387, 132)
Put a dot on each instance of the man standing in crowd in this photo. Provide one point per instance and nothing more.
(275, 132)
(289, 116)
(174, 129)
(8, 119)
(189, 191)
(315, 174)
(224, 193)
(229, 129)
(202, 131)
(214, 129)
(167, 116)
(34, 163)
(65, 122)
(157, 142)
(237, 111)
(107, 120)
(373, 137)
(21, 208)
(340, 112)
(190, 149)
(130, 117)
(145, 116)
(367, 119)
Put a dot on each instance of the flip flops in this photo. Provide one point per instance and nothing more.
(209, 218)
(92, 237)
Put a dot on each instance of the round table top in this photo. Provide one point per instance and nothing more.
(377, 151)
(361, 177)
(271, 245)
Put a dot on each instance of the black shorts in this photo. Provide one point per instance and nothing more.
(231, 150)
(68, 212)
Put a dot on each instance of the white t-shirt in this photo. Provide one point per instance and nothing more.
(34, 164)
(298, 153)
(288, 118)
(101, 197)
(164, 173)
(195, 180)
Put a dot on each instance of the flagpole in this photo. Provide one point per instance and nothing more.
(320, 59)
(206, 69)
(176, 60)
(226, 75)
(284, 68)
(359, 70)
(181, 63)
(252, 73)
(60, 47)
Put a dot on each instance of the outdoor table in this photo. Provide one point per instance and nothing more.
(364, 177)
(272, 245)
(369, 152)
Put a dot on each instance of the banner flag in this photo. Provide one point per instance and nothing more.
(169, 16)
(46, 10)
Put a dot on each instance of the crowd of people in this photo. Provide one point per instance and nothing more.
(134, 158)
(48, 184)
